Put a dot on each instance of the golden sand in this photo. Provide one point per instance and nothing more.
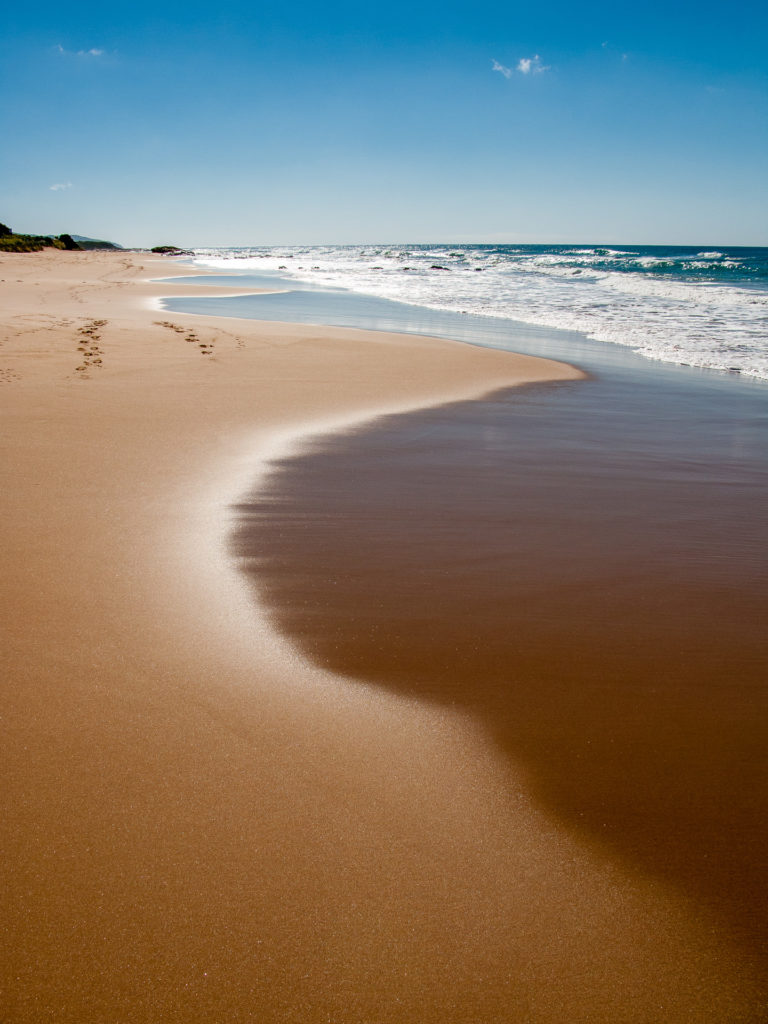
(198, 825)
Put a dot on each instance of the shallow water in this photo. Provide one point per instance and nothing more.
(582, 566)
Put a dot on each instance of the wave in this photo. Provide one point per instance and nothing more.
(701, 308)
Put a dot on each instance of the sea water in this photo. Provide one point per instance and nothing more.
(701, 307)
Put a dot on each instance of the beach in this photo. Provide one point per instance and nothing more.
(201, 823)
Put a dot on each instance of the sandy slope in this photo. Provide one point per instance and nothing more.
(197, 826)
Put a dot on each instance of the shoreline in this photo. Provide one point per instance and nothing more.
(285, 434)
(478, 609)
(188, 802)
(656, 324)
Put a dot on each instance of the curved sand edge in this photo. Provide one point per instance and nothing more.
(198, 825)
(182, 380)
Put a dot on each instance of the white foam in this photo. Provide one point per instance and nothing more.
(659, 315)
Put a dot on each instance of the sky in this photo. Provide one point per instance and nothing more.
(341, 122)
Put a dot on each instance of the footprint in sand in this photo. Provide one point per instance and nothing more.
(170, 326)
(190, 336)
(8, 376)
(89, 338)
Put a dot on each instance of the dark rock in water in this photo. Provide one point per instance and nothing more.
(436, 267)
(282, 267)
(171, 250)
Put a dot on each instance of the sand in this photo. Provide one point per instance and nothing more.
(197, 824)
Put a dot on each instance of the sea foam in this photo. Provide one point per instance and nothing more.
(706, 308)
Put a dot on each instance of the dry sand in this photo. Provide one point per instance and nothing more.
(199, 826)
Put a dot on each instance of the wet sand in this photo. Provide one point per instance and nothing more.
(199, 824)
(590, 583)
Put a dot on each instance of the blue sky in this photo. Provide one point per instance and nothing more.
(256, 123)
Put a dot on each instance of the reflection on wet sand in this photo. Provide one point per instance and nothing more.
(595, 597)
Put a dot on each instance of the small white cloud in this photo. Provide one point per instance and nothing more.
(61, 186)
(507, 72)
(531, 65)
(94, 52)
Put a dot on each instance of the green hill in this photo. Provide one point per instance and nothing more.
(10, 241)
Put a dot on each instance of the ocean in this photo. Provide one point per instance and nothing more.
(689, 305)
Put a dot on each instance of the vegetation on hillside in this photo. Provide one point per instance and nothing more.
(12, 242)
